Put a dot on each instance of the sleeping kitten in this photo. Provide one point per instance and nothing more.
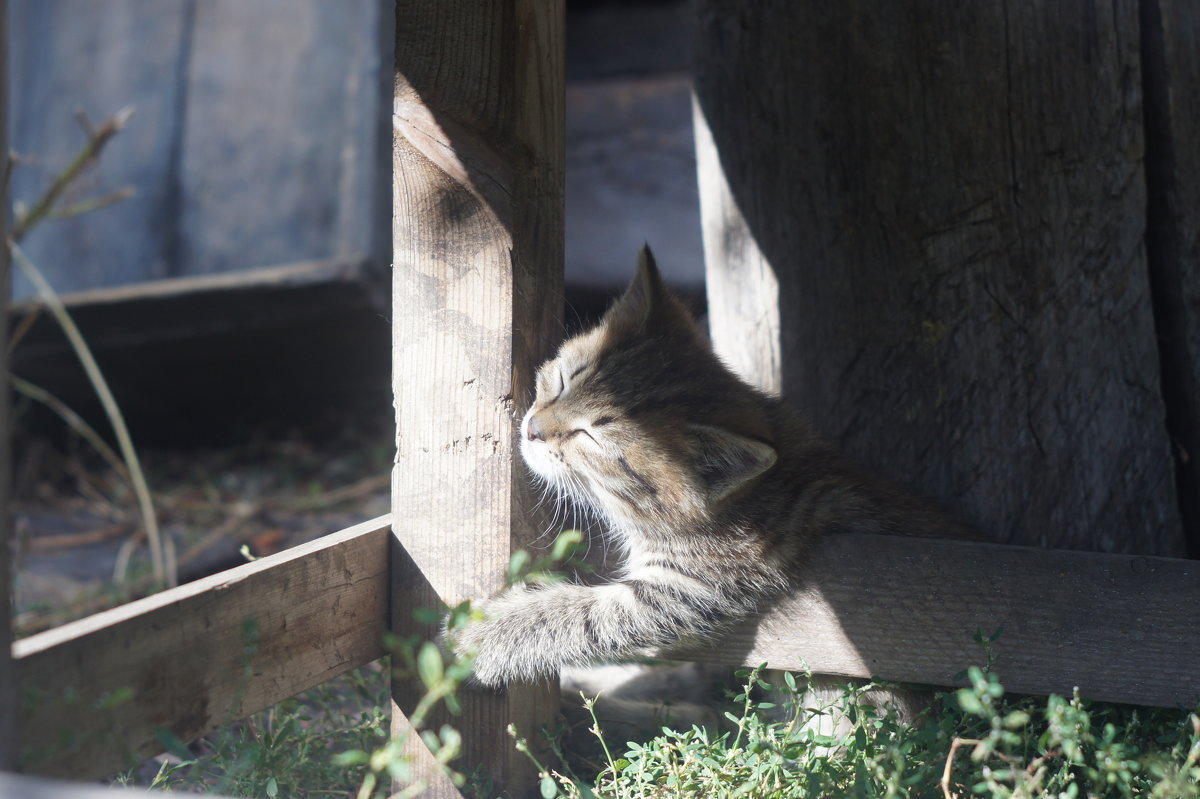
(711, 489)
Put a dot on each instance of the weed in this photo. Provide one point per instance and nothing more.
(1020, 748)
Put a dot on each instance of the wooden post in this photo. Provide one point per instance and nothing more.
(478, 250)
(1170, 35)
(926, 228)
(7, 687)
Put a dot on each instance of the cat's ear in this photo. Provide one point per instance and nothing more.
(645, 294)
(725, 460)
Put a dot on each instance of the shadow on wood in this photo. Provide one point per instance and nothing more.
(905, 609)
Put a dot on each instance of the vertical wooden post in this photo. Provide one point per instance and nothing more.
(8, 738)
(932, 241)
(477, 287)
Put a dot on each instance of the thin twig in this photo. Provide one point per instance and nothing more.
(356, 490)
(23, 327)
(48, 543)
(954, 745)
(242, 512)
(115, 418)
(94, 204)
(83, 159)
(73, 420)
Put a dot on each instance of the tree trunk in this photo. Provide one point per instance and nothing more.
(924, 224)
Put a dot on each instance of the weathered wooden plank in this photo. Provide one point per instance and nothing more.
(69, 55)
(924, 224)
(7, 682)
(320, 339)
(1171, 88)
(478, 252)
(280, 155)
(1117, 626)
(95, 693)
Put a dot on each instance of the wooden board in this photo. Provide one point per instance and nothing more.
(478, 253)
(1119, 627)
(924, 225)
(95, 692)
(213, 358)
(1171, 84)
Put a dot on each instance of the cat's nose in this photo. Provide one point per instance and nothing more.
(533, 430)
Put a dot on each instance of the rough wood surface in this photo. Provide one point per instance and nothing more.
(906, 609)
(478, 250)
(1171, 81)
(95, 693)
(949, 205)
(7, 686)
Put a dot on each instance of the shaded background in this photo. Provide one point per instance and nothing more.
(246, 281)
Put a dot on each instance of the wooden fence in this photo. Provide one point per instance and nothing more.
(478, 251)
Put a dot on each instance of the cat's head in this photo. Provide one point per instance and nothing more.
(638, 418)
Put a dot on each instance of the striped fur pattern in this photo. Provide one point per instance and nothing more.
(711, 489)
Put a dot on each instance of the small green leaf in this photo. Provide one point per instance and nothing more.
(114, 698)
(565, 544)
(517, 565)
(272, 788)
(549, 787)
(1018, 718)
(429, 665)
(427, 616)
(352, 757)
(968, 701)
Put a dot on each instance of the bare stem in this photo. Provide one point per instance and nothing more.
(95, 143)
(73, 420)
(150, 522)
(954, 745)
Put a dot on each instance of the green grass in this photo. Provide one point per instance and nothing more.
(976, 742)
(290, 750)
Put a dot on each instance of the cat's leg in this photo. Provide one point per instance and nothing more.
(529, 633)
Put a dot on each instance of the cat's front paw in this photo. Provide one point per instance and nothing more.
(489, 641)
(508, 639)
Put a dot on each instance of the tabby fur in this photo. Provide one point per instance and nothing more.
(711, 489)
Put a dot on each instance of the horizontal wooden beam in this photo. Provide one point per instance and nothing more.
(96, 693)
(1122, 628)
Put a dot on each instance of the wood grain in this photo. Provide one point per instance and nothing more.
(478, 252)
(1116, 626)
(1170, 34)
(96, 692)
(946, 208)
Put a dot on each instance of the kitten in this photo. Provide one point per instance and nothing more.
(711, 489)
